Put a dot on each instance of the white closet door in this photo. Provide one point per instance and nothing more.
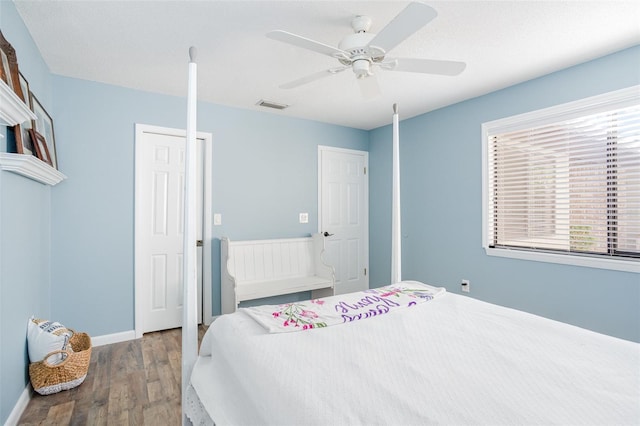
(159, 229)
(343, 213)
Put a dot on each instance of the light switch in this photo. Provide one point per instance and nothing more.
(304, 217)
(217, 219)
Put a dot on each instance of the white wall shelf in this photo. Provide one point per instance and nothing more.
(30, 167)
(12, 110)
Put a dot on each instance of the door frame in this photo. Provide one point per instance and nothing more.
(207, 234)
(365, 154)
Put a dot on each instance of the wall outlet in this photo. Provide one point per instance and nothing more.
(217, 219)
(465, 285)
(304, 217)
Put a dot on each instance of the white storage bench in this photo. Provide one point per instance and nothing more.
(262, 268)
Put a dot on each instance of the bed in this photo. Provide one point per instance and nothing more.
(406, 354)
(449, 359)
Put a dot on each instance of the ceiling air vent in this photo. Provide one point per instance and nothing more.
(269, 104)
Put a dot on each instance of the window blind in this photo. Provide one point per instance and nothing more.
(570, 185)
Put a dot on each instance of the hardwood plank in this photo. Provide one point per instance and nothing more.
(97, 415)
(154, 390)
(137, 382)
(60, 414)
(161, 414)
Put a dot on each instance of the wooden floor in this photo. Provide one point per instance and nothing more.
(129, 383)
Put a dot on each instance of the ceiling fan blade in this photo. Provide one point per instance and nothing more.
(369, 86)
(312, 77)
(307, 43)
(428, 66)
(407, 22)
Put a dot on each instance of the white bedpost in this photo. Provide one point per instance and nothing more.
(396, 231)
(190, 301)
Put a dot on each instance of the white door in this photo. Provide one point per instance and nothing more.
(159, 228)
(343, 215)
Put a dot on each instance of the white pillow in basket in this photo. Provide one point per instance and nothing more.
(44, 337)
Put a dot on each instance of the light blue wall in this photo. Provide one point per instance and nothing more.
(25, 230)
(264, 173)
(442, 207)
(67, 252)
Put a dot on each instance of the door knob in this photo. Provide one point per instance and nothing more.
(326, 234)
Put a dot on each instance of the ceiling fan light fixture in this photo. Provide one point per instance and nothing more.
(361, 68)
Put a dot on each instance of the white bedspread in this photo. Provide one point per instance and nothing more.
(454, 361)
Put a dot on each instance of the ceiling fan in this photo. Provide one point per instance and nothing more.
(363, 51)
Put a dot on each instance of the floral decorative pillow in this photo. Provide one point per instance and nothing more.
(44, 337)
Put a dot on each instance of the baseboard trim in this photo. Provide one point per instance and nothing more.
(108, 339)
(20, 406)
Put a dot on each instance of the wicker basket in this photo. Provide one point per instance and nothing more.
(71, 372)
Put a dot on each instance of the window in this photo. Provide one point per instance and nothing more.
(563, 184)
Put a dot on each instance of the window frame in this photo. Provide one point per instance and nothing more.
(567, 111)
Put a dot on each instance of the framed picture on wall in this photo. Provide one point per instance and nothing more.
(24, 145)
(40, 144)
(44, 126)
(5, 70)
(9, 67)
(24, 86)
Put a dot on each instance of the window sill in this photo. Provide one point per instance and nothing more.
(626, 265)
(30, 167)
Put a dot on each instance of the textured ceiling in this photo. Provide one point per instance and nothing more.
(144, 45)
